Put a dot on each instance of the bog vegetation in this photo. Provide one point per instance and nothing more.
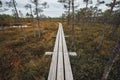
(93, 34)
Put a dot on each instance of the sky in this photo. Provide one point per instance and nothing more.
(55, 8)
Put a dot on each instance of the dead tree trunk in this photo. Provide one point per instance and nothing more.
(38, 19)
(73, 35)
(18, 19)
(32, 21)
(102, 36)
(68, 19)
(105, 25)
(111, 61)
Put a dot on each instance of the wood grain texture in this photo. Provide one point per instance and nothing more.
(60, 68)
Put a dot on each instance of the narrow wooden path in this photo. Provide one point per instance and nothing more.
(60, 68)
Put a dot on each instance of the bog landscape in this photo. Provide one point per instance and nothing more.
(83, 43)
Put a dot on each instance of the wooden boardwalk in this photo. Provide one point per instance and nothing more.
(60, 68)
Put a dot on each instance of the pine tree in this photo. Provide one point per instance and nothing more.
(29, 6)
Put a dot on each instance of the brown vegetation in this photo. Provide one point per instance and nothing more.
(25, 60)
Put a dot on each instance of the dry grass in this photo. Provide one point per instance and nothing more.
(25, 60)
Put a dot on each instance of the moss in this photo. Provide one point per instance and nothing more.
(28, 61)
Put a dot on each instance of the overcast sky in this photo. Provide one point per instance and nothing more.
(55, 9)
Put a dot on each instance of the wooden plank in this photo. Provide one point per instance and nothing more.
(72, 54)
(53, 67)
(48, 53)
(60, 69)
(68, 71)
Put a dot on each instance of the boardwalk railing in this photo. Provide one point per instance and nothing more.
(60, 68)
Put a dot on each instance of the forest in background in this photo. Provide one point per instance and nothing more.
(93, 34)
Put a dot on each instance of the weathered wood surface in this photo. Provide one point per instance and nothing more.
(60, 68)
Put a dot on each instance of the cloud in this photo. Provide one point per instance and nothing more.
(55, 9)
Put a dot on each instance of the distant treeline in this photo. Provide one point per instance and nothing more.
(8, 20)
